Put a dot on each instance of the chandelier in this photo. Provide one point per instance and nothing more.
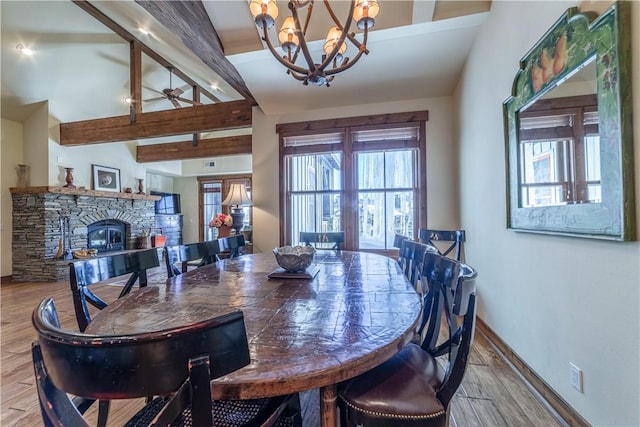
(292, 38)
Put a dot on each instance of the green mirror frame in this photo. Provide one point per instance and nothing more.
(607, 37)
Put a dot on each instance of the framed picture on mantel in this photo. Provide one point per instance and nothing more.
(106, 179)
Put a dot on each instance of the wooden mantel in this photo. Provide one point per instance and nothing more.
(82, 192)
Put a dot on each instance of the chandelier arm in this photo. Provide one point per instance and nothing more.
(346, 66)
(275, 53)
(301, 40)
(351, 36)
(300, 77)
(306, 24)
(345, 31)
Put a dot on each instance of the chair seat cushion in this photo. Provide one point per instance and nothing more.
(403, 386)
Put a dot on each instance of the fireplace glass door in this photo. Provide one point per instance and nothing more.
(107, 235)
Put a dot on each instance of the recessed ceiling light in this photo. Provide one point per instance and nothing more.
(25, 50)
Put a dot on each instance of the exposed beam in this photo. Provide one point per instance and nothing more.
(211, 147)
(113, 26)
(333, 124)
(190, 22)
(180, 121)
(135, 78)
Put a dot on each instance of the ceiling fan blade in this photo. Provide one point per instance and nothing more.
(188, 101)
(158, 98)
(153, 90)
(176, 103)
(176, 92)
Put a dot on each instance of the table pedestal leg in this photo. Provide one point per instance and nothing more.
(328, 406)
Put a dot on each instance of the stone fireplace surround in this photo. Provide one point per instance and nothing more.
(36, 225)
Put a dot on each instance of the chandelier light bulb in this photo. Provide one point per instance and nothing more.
(264, 10)
(365, 13)
(287, 35)
(332, 40)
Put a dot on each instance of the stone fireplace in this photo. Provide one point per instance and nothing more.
(39, 215)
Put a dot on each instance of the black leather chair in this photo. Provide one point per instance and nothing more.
(91, 271)
(329, 240)
(412, 388)
(175, 364)
(446, 241)
(196, 254)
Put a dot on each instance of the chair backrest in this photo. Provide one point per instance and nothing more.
(232, 244)
(412, 260)
(329, 240)
(207, 252)
(129, 366)
(451, 294)
(446, 241)
(84, 273)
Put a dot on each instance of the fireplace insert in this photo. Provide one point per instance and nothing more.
(106, 235)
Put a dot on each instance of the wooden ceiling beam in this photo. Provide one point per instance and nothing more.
(190, 22)
(210, 147)
(126, 35)
(180, 121)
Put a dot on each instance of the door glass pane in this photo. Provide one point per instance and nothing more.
(211, 205)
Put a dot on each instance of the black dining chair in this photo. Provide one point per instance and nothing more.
(413, 388)
(413, 257)
(179, 258)
(232, 245)
(327, 240)
(176, 365)
(446, 241)
(83, 274)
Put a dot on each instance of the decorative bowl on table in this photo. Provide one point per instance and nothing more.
(294, 258)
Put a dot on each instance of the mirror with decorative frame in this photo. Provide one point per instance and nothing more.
(568, 130)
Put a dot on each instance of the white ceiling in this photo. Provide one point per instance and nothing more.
(81, 67)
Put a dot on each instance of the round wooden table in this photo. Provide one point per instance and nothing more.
(357, 312)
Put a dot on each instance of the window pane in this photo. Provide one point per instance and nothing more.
(592, 157)
(372, 220)
(315, 172)
(315, 213)
(370, 166)
(544, 195)
(399, 169)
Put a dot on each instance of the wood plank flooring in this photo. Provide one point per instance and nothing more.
(492, 394)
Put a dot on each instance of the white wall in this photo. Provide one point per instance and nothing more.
(442, 201)
(10, 156)
(552, 299)
(188, 189)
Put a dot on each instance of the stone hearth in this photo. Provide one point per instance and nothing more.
(37, 231)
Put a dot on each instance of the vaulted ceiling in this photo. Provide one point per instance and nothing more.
(82, 67)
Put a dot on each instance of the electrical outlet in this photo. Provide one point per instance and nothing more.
(575, 377)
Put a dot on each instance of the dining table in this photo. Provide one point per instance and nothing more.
(350, 312)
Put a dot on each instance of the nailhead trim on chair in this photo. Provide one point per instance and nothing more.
(400, 417)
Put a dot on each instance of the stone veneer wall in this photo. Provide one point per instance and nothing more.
(36, 225)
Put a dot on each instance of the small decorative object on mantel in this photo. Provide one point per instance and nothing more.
(23, 175)
(140, 186)
(69, 178)
(223, 223)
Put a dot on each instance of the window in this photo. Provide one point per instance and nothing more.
(560, 152)
(366, 180)
(212, 191)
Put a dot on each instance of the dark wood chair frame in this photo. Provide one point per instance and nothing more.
(456, 237)
(177, 364)
(336, 238)
(451, 293)
(412, 254)
(88, 272)
(203, 253)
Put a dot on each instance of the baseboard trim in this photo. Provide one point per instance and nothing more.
(556, 403)
(6, 279)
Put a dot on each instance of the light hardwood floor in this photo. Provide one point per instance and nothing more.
(491, 394)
